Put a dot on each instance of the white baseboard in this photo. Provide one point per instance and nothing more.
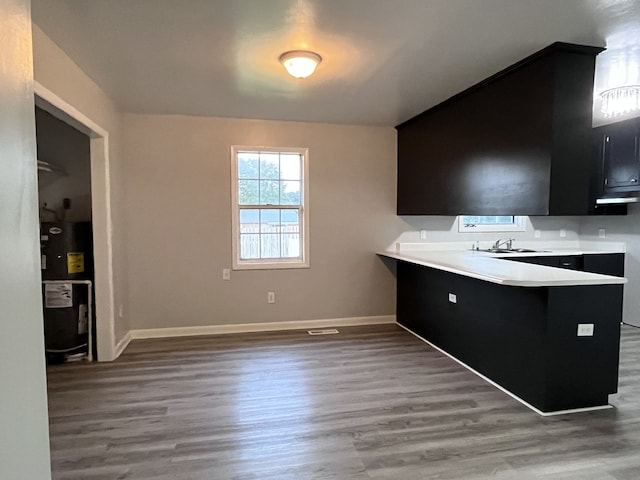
(123, 343)
(257, 327)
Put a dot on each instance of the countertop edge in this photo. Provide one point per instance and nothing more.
(577, 278)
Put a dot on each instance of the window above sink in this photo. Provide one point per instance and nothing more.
(491, 223)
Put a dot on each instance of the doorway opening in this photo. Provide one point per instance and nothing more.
(66, 250)
(99, 205)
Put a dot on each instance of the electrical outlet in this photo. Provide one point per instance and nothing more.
(563, 233)
(602, 233)
(226, 274)
(585, 329)
(120, 311)
(453, 298)
(536, 233)
(271, 297)
(423, 234)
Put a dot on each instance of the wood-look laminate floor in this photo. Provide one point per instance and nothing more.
(369, 403)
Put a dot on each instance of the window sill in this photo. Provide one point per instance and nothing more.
(269, 265)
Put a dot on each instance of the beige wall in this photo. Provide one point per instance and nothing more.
(24, 439)
(56, 71)
(179, 223)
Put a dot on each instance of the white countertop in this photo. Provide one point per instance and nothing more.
(494, 267)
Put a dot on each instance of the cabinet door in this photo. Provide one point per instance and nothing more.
(605, 263)
(483, 152)
(621, 156)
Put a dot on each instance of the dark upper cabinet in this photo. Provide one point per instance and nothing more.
(618, 146)
(517, 143)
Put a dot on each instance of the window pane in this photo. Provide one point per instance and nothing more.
(290, 216)
(290, 166)
(249, 221)
(289, 193)
(290, 233)
(248, 165)
(249, 216)
(270, 245)
(491, 223)
(269, 192)
(290, 245)
(269, 221)
(249, 247)
(270, 165)
(488, 220)
(248, 192)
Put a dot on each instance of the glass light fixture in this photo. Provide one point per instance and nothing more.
(300, 63)
(620, 100)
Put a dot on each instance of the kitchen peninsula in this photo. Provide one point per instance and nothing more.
(548, 336)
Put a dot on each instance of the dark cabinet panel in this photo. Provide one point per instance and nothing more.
(524, 339)
(621, 160)
(570, 262)
(605, 263)
(473, 157)
(583, 367)
(490, 149)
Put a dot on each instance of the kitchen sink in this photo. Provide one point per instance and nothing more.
(510, 250)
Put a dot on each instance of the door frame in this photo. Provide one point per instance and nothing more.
(101, 214)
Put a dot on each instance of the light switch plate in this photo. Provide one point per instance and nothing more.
(453, 298)
(536, 233)
(602, 233)
(563, 233)
(585, 329)
(423, 234)
(226, 274)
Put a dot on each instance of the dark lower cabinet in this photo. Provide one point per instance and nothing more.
(524, 339)
(606, 264)
(570, 262)
(603, 263)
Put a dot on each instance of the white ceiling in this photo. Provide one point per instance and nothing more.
(384, 60)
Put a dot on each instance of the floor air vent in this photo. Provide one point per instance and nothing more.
(323, 331)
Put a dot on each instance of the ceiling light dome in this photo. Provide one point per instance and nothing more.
(300, 63)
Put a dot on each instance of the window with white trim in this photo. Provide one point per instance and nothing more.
(491, 223)
(270, 207)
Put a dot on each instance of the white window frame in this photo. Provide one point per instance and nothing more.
(519, 225)
(303, 209)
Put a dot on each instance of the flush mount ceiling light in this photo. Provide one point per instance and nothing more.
(620, 100)
(300, 63)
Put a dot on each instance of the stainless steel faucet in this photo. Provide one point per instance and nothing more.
(508, 243)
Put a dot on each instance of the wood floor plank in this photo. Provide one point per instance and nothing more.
(369, 403)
